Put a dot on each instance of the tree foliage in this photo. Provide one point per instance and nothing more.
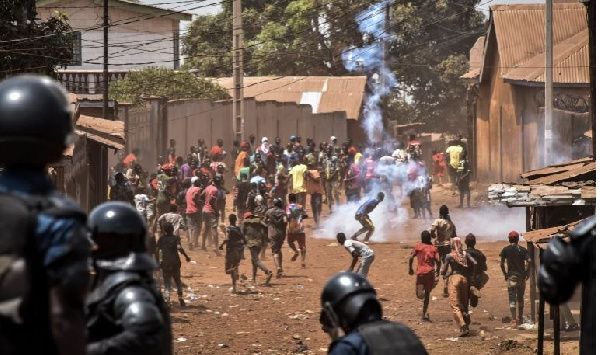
(29, 45)
(429, 47)
(164, 82)
(299, 37)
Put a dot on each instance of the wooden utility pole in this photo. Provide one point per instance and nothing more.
(548, 134)
(238, 72)
(385, 67)
(105, 64)
(591, 17)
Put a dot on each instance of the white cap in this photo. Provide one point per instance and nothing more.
(264, 139)
(194, 179)
(333, 138)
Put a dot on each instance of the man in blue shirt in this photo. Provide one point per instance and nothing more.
(44, 283)
(362, 216)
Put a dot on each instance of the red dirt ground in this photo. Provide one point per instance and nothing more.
(284, 318)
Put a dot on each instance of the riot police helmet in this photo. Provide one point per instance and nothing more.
(117, 228)
(35, 121)
(345, 299)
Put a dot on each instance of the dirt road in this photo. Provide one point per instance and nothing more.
(283, 318)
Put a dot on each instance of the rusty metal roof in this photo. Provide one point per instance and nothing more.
(475, 59)
(569, 183)
(520, 34)
(109, 133)
(540, 237)
(570, 63)
(324, 93)
(581, 170)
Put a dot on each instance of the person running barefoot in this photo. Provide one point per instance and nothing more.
(234, 239)
(428, 269)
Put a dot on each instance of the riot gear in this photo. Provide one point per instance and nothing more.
(349, 301)
(117, 228)
(565, 264)
(126, 314)
(35, 121)
(344, 295)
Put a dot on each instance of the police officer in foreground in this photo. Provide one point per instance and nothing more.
(349, 302)
(44, 248)
(564, 265)
(126, 314)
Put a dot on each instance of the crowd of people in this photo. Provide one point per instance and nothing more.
(77, 284)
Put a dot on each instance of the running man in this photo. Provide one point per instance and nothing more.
(362, 216)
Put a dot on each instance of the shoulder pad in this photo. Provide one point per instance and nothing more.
(587, 226)
(138, 310)
(119, 278)
(56, 205)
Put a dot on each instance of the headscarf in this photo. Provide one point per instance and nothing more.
(264, 146)
(458, 253)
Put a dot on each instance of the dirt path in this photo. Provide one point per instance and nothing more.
(283, 318)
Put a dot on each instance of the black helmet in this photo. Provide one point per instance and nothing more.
(117, 228)
(344, 297)
(380, 195)
(278, 202)
(35, 120)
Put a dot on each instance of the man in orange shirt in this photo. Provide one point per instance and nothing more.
(131, 158)
(239, 161)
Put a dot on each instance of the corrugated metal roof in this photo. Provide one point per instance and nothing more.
(475, 59)
(343, 93)
(570, 62)
(587, 172)
(520, 29)
(520, 34)
(109, 133)
(576, 170)
(540, 237)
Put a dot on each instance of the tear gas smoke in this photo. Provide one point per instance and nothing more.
(397, 181)
(369, 58)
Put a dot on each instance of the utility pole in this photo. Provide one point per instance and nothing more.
(548, 135)
(591, 17)
(238, 72)
(385, 67)
(105, 64)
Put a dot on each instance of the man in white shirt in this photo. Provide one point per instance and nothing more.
(357, 250)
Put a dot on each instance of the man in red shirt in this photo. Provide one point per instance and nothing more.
(427, 275)
(192, 210)
(210, 214)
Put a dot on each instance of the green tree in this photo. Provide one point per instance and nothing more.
(29, 45)
(299, 37)
(165, 83)
(429, 50)
(429, 47)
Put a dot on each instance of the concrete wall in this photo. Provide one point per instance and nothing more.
(142, 41)
(186, 121)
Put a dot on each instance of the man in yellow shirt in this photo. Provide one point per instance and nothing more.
(453, 156)
(297, 181)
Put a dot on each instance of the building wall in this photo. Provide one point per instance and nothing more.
(190, 120)
(498, 132)
(509, 127)
(143, 43)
